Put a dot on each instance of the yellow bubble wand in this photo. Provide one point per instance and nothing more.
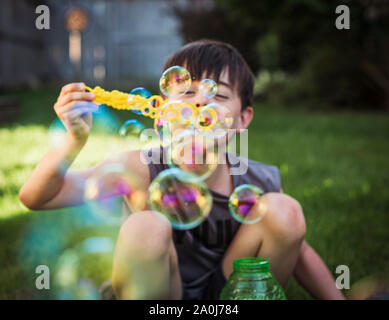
(126, 101)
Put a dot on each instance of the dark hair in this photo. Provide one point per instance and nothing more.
(212, 57)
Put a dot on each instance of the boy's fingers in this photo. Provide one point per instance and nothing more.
(78, 86)
(75, 116)
(75, 113)
(81, 106)
(75, 96)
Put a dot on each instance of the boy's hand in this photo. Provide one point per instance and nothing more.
(73, 108)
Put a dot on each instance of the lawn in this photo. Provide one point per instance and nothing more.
(334, 164)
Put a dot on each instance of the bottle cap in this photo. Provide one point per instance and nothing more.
(251, 265)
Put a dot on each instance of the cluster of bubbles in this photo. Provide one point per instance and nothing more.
(177, 113)
(180, 121)
(189, 136)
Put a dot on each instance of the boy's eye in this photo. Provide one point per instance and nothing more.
(218, 95)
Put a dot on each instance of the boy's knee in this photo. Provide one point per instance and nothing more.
(145, 233)
(285, 217)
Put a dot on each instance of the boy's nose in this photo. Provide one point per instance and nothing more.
(201, 100)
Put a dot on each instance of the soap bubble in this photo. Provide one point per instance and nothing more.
(181, 196)
(108, 186)
(175, 82)
(131, 129)
(167, 115)
(81, 270)
(193, 152)
(170, 111)
(140, 91)
(173, 118)
(247, 204)
(187, 113)
(215, 119)
(208, 88)
(178, 112)
(163, 129)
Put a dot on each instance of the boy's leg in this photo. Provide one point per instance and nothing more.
(277, 237)
(145, 263)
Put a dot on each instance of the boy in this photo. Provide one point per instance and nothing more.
(154, 261)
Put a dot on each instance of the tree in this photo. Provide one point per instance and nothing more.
(341, 67)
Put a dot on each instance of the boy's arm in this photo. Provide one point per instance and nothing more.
(312, 273)
(47, 182)
(50, 186)
(73, 107)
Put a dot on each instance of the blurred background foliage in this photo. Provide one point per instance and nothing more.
(299, 56)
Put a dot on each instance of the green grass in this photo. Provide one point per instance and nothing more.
(334, 164)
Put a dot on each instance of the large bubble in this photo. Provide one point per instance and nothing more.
(208, 88)
(181, 196)
(193, 152)
(80, 271)
(215, 119)
(175, 82)
(108, 186)
(247, 204)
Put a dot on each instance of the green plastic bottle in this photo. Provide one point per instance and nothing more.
(251, 279)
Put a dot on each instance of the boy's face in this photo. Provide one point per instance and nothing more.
(226, 95)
